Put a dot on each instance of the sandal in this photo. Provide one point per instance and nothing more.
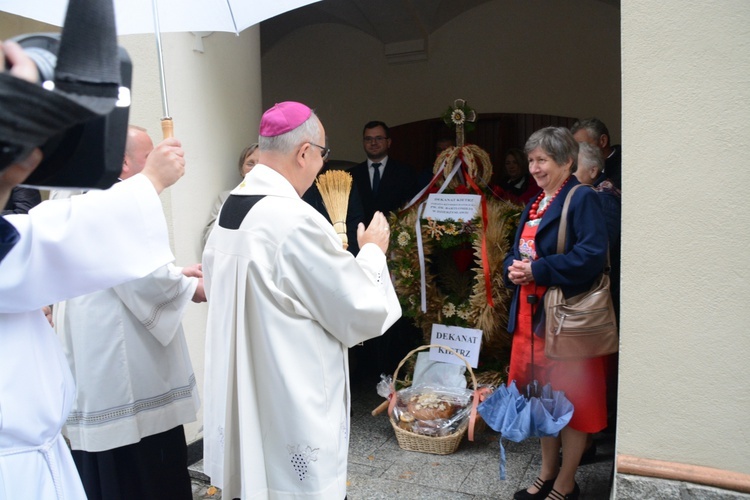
(573, 495)
(544, 488)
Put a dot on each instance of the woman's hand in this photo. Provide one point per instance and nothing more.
(519, 273)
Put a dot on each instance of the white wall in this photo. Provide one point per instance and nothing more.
(685, 246)
(505, 56)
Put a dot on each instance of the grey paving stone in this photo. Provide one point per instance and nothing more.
(434, 471)
(484, 478)
(367, 488)
(648, 488)
(380, 469)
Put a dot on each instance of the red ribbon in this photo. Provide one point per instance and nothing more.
(479, 396)
(392, 399)
(485, 259)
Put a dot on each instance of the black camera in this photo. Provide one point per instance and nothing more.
(85, 155)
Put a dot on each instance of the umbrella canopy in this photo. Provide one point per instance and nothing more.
(135, 16)
(157, 16)
(518, 416)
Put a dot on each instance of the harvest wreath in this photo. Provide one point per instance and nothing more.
(463, 269)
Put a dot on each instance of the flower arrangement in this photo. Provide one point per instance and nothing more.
(455, 266)
(463, 259)
(449, 254)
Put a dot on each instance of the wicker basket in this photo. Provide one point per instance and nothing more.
(443, 445)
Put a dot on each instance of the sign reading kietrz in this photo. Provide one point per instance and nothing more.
(465, 341)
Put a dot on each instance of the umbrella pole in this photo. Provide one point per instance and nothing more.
(167, 125)
(532, 299)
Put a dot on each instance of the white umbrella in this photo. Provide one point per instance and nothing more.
(157, 16)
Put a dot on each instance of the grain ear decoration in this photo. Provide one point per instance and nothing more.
(334, 187)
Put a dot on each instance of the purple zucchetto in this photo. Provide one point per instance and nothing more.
(283, 117)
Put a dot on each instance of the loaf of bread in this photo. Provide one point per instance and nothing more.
(431, 406)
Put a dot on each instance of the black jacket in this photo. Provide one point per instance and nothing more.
(397, 186)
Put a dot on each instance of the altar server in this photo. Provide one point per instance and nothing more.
(135, 386)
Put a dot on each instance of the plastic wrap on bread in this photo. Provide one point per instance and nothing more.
(432, 411)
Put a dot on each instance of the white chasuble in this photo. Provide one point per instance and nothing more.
(286, 301)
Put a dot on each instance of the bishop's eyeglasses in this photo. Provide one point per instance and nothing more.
(324, 152)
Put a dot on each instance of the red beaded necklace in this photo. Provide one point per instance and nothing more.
(533, 214)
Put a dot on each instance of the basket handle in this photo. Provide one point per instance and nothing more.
(475, 398)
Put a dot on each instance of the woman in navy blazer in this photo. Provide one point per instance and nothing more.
(533, 265)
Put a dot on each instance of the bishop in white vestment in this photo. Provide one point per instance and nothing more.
(286, 301)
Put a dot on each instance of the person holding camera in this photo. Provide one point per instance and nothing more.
(22, 68)
(63, 249)
(9, 178)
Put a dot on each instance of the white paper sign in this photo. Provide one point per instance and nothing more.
(465, 341)
(452, 206)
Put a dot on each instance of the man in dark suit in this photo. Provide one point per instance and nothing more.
(596, 133)
(384, 184)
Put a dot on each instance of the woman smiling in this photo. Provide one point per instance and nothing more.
(534, 265)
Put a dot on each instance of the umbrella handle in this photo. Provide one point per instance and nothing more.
(167, 127)
(532, 299)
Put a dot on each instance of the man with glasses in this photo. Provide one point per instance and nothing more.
(286, 301)
(384, 184)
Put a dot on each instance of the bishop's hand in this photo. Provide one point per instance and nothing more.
(377, 232)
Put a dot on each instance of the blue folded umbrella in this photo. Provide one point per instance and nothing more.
(517, 416)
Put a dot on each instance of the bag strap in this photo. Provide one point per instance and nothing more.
(562, 231)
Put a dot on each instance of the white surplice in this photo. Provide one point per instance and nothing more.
(130, 361)
(67, 248)
(286, 301)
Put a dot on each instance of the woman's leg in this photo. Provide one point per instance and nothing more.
(550, 457)
(550, 461)
(573, 444)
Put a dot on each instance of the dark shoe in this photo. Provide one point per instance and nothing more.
(573, 495)
(544, 488)
(589, 455)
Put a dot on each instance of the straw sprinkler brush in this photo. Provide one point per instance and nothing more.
(334, 187)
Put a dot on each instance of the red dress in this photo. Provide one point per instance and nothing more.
(583, 381)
